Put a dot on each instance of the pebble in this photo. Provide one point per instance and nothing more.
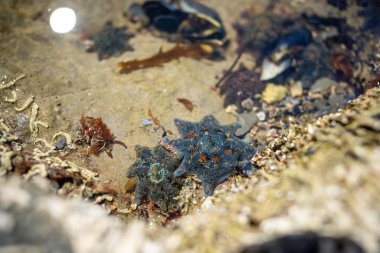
(246, 120)
(247, 104)
(261, 116)
(274, 93)
(322, 84)
(146, 122)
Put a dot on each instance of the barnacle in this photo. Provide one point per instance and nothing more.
(97, 136)
(110, 41)
(154, 169)
(211, 152)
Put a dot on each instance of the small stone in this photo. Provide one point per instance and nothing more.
(146, 122)
(231, 109)
(130, 185)
(296, 89)
(261, 116)
(247, 104)
(322, 84)
(246, 120)
(60, 143)
(274, 93)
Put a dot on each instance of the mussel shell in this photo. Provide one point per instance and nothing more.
(163, 16)
(190, 19)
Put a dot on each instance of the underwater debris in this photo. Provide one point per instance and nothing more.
(187, 103)
(187, 19)
(5, 85)
(284, 52)
(154, 170)
(211, 152)
(313, 64)
(342, 66)
(153, 118)
(26, 104)
(110, 41)
(301, 48)
(97, 136)
(242, 84)
(13, 99)
(190, 50)
(258, 33)
(33, 122)
(307, 242)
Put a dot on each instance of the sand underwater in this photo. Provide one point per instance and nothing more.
(298, 174)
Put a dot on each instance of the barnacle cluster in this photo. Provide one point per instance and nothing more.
(66, 177)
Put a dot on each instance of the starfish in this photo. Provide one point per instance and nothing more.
(154, 169)
(211, 152)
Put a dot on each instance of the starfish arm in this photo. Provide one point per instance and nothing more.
(182, 170)
(246, 167)
(140, 193)
(182, 126)
(209, 189)
(231, 129)
(210, 120)
(136, 170)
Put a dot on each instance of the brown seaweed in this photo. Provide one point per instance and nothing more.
(342, 66)
(187, 103)
(195, 51)
(97, 136)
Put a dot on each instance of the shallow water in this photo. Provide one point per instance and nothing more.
(67, 82)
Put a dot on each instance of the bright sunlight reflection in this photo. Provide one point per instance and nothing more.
(63, 20)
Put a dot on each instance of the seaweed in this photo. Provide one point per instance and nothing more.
(241, 85)
(97, 136)
(187, 103)
(342, 65)
(195, 51)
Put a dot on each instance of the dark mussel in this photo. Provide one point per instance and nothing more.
(187, 18)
